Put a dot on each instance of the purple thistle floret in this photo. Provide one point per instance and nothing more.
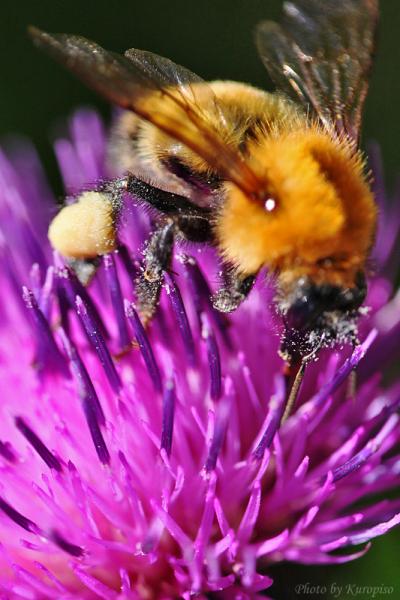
(140, 463)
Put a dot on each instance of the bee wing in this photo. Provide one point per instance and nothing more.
(321, 55)
(158, 90)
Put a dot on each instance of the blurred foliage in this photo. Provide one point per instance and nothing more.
(214, 38)
(378, 570)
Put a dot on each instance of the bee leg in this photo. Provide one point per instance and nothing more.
(84, 269)
(195, 228)
(235, 290)
(157, 258)
(165, 202)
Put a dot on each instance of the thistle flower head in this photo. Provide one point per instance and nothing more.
(150, 463)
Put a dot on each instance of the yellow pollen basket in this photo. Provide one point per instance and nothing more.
(86, 228)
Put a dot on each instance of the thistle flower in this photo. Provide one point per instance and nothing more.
(160, 469)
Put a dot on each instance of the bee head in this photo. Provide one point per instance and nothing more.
(319, 314)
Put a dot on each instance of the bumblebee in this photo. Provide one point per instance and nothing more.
(271, 180)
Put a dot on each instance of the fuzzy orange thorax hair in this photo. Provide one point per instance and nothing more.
(324, 207)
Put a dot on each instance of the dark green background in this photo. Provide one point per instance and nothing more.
(214, 39)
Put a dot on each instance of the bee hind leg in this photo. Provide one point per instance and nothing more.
(157, 259)
(84, 269)
(235, 289)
